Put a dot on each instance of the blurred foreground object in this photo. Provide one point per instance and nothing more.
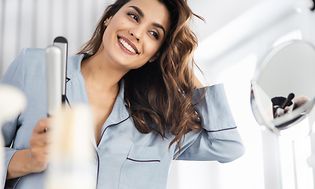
(12, 103)
(71, 161)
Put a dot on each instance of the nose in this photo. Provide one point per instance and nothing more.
(136, 33)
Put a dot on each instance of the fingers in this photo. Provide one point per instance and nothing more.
(39, 145)
(42, 126)
(39, 140)
(39, 137)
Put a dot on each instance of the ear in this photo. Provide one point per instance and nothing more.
(106, 22)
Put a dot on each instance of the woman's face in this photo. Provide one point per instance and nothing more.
(135, 33)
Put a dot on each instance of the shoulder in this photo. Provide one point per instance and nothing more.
(33, 52)
(31, 55)
(30, 59)
(27, 61)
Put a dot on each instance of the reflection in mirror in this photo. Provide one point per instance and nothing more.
(283, 87)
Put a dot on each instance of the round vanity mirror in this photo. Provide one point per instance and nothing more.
(283, 87)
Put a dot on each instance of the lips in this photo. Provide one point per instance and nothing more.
(128, 46)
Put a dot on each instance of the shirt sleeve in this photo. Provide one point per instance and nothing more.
(219, 139)
(14, 76)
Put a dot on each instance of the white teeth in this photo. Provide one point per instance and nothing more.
(126, 45)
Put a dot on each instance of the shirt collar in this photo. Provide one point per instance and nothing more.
(119, 112)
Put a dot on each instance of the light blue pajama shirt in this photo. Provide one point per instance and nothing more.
(124, 158)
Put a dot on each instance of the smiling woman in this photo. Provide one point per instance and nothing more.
(137, 32)
(136, 74)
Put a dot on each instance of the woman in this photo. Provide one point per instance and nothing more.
(136, 75)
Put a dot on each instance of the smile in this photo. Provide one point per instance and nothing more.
(127, 46)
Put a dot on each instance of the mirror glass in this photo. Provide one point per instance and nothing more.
(283, 86)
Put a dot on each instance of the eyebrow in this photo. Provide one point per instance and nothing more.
(139, 11)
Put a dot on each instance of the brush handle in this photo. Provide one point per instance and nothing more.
(288, 100)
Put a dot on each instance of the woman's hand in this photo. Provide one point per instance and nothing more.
(39, 146)
(35, 158)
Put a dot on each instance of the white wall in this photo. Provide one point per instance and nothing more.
(35, 23)
(217, 13)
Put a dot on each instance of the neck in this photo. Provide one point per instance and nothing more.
(101, 74)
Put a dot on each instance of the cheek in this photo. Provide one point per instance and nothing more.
(113, 27)
(151, 49)
(106, 35)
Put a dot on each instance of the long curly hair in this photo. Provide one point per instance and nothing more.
(159, 94)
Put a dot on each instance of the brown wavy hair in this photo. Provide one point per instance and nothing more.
(159, 94)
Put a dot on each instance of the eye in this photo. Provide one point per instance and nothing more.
(155, 34)
(134, 16)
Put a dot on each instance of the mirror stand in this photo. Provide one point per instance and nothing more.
(311, 159)
(284, 158)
